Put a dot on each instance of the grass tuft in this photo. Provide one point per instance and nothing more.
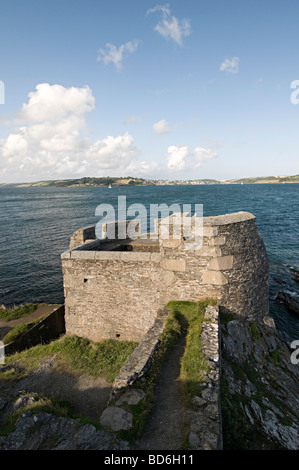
(19, 330)
(16, 312)
(74, 355)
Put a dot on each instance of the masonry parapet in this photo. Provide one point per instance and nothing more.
(114, 287)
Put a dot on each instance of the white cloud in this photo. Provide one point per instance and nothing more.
(181, 157)
(113, 153)
(177, 157)
(53, 102)
(169, 26)
(143, 168)
(230, 65)
(43, 147)
(131, 119)
(116, 55)
(161, 127)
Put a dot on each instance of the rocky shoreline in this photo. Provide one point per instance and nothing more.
(289, 298)
(260, 391)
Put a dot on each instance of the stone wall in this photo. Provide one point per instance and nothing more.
(82, 235)
(115, 293)
(48, 329)
(205, 431)
(206, 420)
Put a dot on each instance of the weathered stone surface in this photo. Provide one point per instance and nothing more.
(208, 251)
(174, 264)
(137, 365)
(290, 300)
(221, 263)
(214, 278)
(111, 293)
(206, 426)
(116, 418)
(132, 396)
(256, 364)
(85, 255)
(135, 257)
(209, 231)
(107, 255)
(44, 431)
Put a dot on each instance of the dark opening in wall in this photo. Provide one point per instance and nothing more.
(85, 279)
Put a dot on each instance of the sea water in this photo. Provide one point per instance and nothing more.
(36, 224)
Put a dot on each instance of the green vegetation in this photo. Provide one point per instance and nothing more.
(74, 355)
(16, 312)
(129, 180)
(20, 329)
(267, 179)
(87, 181)
(193, 363)
(183, 315)
(54, 406)
(254, 331)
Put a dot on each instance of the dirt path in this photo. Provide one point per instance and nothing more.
(167, 427)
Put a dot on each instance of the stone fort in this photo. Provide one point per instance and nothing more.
(114, 287)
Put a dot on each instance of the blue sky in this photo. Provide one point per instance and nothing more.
(175, 90)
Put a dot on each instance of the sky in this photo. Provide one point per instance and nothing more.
(178, 90)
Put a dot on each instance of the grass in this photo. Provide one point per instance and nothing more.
(16, 312)
(77, 355)
(54, 406)
(74, 355)
(193, 362)
(183, 315)
(20, 329)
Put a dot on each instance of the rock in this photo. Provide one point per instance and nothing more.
(131, 396)
(295, 274)
(21, 402)
(290, 300)
(116, 418)
(3, 402)
(265, 385)
(57, 433)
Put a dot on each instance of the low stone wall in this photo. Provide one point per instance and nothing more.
(48, 329)
(82, 235)
(137, 365)
(206, 422)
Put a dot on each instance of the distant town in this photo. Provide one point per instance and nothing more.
(132, 181)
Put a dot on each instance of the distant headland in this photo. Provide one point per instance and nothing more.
(133, 181)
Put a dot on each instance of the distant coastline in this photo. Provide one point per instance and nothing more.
(133, 181)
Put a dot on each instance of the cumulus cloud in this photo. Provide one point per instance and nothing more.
(230, 65)
(169, 26)
(161, 127)
(182, 157)
(51, 141)
(53, 102)
(116, 54)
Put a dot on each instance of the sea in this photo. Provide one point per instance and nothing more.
(36, 224)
